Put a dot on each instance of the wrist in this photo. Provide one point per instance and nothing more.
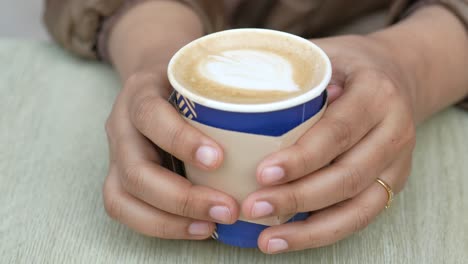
(405, 65)
(431, 50)
(146, 36)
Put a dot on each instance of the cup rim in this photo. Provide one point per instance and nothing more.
(313, 93)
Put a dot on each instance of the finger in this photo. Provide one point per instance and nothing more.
(157, 119)
(337, 222)
(346, 121)
(335, 87)
(141, 176)
(172, 193)
(167, 191)
(119, 129)
(343, 179)
(334, 92)
(148, 220)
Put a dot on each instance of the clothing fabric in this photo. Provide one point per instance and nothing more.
(76, 24)
(83, 26)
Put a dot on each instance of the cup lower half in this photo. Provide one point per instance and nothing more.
(246, 139)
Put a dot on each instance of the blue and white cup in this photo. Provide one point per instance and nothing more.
(248, 133)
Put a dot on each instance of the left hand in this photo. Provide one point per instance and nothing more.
(367, 132)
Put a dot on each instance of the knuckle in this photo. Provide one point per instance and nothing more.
(388, 89)
(109, 128)
(341, 133)
(133, 179)
(184, 204)
(304, 159)
(178, 141)
(133, 81)
(351, 182)
(143, 110)
(410, 138)
(405, 137)
(362, 218)
(137, 80)
(112, 205)
(107, 125)
(295, 200)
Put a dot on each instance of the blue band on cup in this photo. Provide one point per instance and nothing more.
(274, 123)
(245, 234)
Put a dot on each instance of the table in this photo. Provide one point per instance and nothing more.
(53, 160)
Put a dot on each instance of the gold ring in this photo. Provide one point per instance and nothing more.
(389, 192)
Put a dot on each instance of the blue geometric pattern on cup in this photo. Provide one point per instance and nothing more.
(186, 107)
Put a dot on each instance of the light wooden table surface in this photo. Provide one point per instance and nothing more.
(53, 160)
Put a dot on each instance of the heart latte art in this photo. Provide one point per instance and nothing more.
(248, 68)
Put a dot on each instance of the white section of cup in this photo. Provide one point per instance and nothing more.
(252, 108)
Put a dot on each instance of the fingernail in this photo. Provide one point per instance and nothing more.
(199, 229)
(276, 245)
(207, 156)
(272, 174)
(261, 209)
(220, 213)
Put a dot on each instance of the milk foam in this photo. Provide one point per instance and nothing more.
(250, 70)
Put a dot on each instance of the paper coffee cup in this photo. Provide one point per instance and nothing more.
(248, 133)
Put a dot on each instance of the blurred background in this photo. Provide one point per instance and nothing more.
(22, 19)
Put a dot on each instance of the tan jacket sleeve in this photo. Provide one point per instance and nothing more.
(401, 8)
(75, 24)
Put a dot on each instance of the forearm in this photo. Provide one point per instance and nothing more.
(147, 36)
(431, 49)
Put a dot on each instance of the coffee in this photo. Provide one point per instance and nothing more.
(249, 67)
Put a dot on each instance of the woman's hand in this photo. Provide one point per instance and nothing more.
(368, 132)
(382, 85)
(138, 191)
(142, 194)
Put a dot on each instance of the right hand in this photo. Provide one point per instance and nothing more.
(138, 191)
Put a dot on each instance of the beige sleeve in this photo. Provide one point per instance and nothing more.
(76, 24)
(402, 8)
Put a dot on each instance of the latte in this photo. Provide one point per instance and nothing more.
(248, 67)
